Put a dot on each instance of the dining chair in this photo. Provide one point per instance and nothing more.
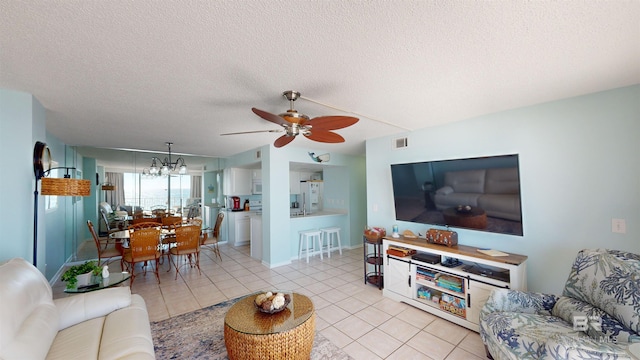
(105, 241)
(211, 242)
(187, 246)
(144, 246)
(107, 252)
(169, 240)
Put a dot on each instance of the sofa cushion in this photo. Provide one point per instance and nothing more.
(82, 307)
(502, 181)
(81, 341)
(609, 280)
(27, 312)
(126, 333)
(468, 181)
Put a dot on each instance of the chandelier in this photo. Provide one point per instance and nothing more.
(167, 166)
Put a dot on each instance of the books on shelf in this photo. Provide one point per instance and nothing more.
(400, 251)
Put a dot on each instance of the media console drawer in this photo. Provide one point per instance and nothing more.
(453, 290)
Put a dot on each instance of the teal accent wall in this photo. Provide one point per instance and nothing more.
(578, 166)
(22, 123)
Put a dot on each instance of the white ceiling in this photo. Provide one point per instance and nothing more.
(134, 74)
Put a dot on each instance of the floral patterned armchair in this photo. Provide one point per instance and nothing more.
(597, 316)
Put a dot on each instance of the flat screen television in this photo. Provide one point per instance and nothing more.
(475, 193)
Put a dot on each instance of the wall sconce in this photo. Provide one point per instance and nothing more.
(52, 186)
(320, 158)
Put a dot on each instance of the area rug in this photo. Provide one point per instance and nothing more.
(200, 335)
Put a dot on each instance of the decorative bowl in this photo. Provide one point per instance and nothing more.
(287, 300)
(463, 209)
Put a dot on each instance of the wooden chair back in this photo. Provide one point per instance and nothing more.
(144, 241)
(187, 239)
(171, 220)
(94, 235)
(106, 221)
(216, 228)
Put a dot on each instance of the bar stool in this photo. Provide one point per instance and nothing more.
(329, 234)
(308, 236)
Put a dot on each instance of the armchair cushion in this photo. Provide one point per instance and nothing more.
(603, 288)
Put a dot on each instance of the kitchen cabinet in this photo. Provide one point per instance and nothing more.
(239, 227)
(256, 237)
(256, 174)
(237, 181)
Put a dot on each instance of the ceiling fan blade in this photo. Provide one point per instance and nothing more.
(283, 140)
(331, 122)
(253, 132)
(324, 136)
(270, 117)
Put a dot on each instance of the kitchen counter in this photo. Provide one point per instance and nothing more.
(318, 214)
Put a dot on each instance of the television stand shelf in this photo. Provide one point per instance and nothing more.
(454, 293)
(373, 261)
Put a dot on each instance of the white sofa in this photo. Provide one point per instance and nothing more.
(104, 324)
(496, 191)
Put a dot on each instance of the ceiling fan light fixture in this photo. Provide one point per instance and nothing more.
(317, 129)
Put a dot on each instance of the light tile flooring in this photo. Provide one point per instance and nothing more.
(354, 316)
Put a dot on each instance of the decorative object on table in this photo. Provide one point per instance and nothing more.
(442, 237)
(52, 186)
(105, 271)
(463, 209)
(76, 275)
(409, 234)
(375, 233)
(295, 123)
(395, 233)
(271, 303)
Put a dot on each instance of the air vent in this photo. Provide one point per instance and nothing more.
(258, 154)
(400, 143)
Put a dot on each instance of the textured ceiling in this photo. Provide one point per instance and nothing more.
(134, 74)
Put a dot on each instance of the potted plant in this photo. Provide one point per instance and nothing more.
(88, 269)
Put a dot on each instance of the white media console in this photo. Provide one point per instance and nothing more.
(455, 293)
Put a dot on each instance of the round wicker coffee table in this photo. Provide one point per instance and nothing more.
(251, 334)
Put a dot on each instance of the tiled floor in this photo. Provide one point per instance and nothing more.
(354, 316)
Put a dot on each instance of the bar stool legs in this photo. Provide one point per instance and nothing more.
(328, 235)
(307, 237)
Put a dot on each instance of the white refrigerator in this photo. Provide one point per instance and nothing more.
(311, 192)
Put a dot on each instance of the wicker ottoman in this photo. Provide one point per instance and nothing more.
(250, 334)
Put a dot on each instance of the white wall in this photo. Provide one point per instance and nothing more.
(275, 197)
(579, 168)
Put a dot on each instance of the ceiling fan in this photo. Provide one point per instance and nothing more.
(295, 123)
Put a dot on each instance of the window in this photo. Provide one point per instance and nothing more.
(152, 191)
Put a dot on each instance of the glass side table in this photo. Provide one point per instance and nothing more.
(113, 280)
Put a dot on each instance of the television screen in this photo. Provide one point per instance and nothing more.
(476, 193)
